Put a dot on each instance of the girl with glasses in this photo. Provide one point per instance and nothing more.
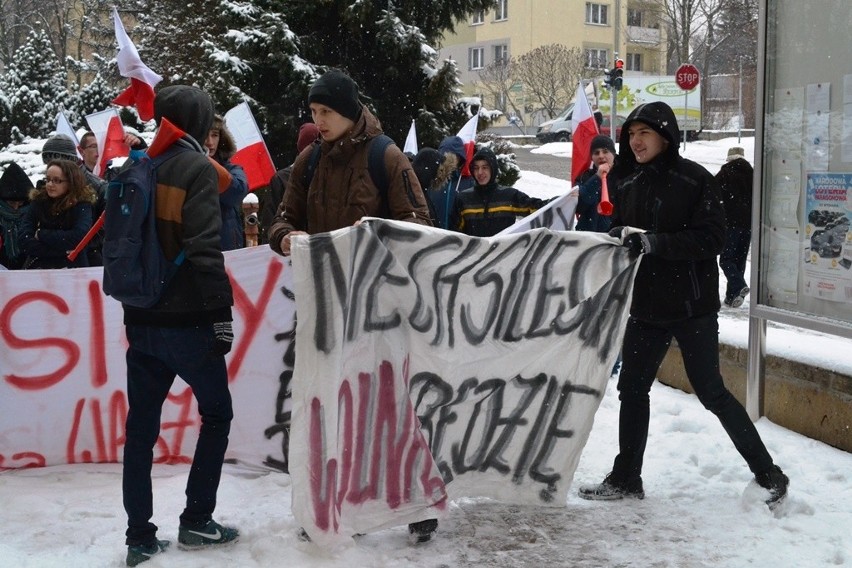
(59, 217)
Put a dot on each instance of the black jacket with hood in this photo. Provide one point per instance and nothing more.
(485, 210)
(677, 203)
(188, 219)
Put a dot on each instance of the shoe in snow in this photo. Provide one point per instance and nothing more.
(210, 534)
(139, 553)
(422, 531)
(612, 489)
(738, 300)
(776, 483)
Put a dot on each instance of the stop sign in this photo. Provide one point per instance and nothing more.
(686, 76)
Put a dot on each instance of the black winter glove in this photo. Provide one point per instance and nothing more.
(223, 334)
(638, 243)
(616, 231)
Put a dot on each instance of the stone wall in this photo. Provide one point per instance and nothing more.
(813, 402)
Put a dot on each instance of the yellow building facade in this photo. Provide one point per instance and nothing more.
(632, 30)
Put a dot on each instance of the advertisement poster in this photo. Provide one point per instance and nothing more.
(828, 242)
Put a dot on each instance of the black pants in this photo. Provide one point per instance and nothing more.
(645, 346)
(732, 261)
(155, 356)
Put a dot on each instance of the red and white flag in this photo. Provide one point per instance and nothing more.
(109, 133)
(411, 140)
(252, 153)
(468, 136)
(584, 129)
(64, 127)
(140, 93)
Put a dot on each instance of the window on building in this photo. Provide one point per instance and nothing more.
(634, 62)
(596, 13)
(501, 11)
(476, 58)
(501, 54)
(478, 17)
(634, 17)
(596, 58)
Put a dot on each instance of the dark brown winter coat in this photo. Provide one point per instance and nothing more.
(342, 192)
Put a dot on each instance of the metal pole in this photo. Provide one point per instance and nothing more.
(685, 118)
(740, 115)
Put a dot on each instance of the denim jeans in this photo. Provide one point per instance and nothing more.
(732, 261)
(645, 346)
(154, 357)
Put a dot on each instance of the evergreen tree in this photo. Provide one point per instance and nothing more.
(35, 83)
(387, 48)
(92, 97)
(236, 51)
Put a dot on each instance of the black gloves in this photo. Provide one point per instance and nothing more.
(616, 232)
(223, 335)
(635, 243)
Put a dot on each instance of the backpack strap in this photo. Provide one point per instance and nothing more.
(313, 160)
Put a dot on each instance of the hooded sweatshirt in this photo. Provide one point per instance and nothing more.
(188, 219)
(676, 201)
(485, 210)
(448, 181)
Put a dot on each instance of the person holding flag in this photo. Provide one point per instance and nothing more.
(590, 184)
(449, 180)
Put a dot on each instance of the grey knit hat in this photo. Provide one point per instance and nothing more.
(59, 147)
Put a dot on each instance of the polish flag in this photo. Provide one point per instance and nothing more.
(252, 153)
(140, 93)
(468, 136)
(64, 127)
(584, 129)
(109, 133)
(411, 140)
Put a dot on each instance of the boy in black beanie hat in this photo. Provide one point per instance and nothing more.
(334, 197)
(337, 91)
(590, 186)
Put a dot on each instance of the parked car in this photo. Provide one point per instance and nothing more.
(557, 129)
(619, 122)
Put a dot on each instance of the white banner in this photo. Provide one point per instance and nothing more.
(501, 346)
(62, 356)
(558, 215)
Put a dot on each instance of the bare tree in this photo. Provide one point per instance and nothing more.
(497, 79)
(550, 75)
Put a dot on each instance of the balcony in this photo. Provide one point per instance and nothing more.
(643, 36)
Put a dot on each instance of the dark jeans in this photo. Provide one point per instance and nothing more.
(155, 356)
(732, 261)
(644, 347)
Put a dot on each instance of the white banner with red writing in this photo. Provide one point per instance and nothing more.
(64, 373)
(500, 347)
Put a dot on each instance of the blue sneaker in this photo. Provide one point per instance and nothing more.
(139, 553)
(211, 534)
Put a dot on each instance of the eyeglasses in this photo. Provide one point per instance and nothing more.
(57, 181)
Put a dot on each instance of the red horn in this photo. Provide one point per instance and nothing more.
(605, 206)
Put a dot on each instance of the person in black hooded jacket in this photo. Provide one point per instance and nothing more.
(487, 208)
(676, 205)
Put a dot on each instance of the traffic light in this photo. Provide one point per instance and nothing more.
(617, 74)
(607, 82)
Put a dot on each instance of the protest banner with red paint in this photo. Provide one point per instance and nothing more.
(503, 362)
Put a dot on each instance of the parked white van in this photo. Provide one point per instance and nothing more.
(557, 129)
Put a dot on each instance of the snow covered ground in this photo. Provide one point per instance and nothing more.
(701, 508)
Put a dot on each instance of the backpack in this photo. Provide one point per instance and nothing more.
(375, 165)
(135, 269)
